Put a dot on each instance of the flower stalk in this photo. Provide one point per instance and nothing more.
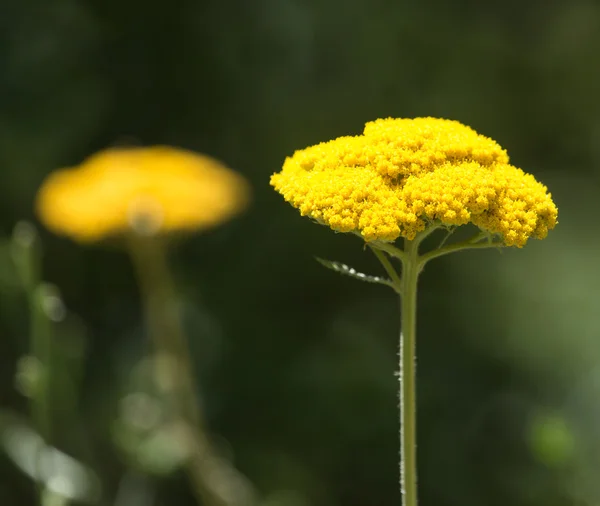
(214, 481)
(405, 284)
(408, 403)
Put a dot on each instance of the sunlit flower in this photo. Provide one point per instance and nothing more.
(153, 190)
(401, 175)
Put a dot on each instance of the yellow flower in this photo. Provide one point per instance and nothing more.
(153, 190)
(401, 175)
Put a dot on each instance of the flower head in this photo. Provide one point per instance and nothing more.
(153, 190)
(402, 174)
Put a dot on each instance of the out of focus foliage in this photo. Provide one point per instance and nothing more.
(295, 364)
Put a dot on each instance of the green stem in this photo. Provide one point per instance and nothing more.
(37, 365)
(39, 397)
(406, 286)
(428, 231)
(459, 246)
(27, 259)
(390, 249)
(41, 351)
(214, 481)
(389, 268)
(408, 436)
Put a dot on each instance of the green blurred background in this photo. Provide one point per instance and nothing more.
(295, 363)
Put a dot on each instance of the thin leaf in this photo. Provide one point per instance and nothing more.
(353, 273)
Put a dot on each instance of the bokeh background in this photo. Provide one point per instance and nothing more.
(295, 363)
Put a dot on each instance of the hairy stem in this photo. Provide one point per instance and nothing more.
(406, 287)
(408, 422)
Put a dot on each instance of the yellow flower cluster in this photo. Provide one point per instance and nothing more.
(150, 190)
(403, 174)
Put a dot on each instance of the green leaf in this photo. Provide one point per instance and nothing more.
(353, 273)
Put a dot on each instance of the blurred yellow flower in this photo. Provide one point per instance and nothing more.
(152, 190)
(403, 174)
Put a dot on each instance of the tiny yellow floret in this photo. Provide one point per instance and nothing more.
(154, 190)
(401, 175)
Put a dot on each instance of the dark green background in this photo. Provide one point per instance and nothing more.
(296, 364)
